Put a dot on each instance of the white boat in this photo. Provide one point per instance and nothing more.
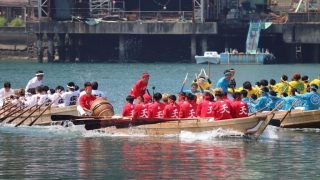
(212, 57)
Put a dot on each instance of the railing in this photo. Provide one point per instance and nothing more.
(304, 17)
(119, 14)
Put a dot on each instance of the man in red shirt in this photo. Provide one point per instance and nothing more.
(189, 107)
(182, 97)
(128, 108)
(85, 102)
(205, 107)
(239, 108)
(141, 108)
(171, 110)
(222, 110)
(140, 87)
(155, 110)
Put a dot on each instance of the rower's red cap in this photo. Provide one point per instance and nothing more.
(145, 75)
(146, 97)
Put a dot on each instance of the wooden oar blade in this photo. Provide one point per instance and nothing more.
(64, 117)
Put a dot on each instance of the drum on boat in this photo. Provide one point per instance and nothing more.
(101, 108)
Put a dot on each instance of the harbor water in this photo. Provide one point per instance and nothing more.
(72, 153)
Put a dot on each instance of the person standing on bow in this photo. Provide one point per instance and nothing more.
(35, 81)
(140, 87)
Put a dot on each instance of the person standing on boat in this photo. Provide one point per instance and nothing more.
(155, 110)
(128, 108)
(36, 81)
(224, 82)
(189, 107)
(205, 107)
(239, 107)
(233, 83)
(311, 99)
(6, 91)
(97, 92)
(172, 109)
(140, 87)
(85, 102)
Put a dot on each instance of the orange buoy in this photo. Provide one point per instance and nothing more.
(101, 108)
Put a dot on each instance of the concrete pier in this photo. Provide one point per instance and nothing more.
(122, 49)
(39, 48)
(204, 44)
(62, 47)
(316, 53)
(193, 46)
(51, 49)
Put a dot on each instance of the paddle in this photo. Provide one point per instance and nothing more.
(38, 108)
(32, 122)
(292, 106)
(267, 120)
(258, 111)
(28, 109)
(4, 111)
(5, 106)
(184, 82)
(71, 117)
(17, 109)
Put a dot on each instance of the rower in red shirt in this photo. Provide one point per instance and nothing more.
(239, 108)
(128, 107)
(182, 98)
(141, 108)
(85, 101)
(155, 110)
(171, 110)
(140, 87)
(205, 107)
(222, 110)
(189, 107)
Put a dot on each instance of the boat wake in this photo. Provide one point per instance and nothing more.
(208, 135)
(270, 133)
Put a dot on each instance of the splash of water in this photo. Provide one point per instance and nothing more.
(271, 132)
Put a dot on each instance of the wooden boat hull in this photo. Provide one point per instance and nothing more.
(251, 126)
(302, 119)
(45, 118)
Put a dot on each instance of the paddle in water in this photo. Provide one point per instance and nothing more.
(290, 109)
(27, 109)
(38, 108)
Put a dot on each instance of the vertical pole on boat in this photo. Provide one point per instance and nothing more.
(209, 69)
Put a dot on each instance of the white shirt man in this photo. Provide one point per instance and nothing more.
(98, 93)
(36, 81)
(69, 98)
(4, 93)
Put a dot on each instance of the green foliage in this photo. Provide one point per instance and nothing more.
(3, 21)
(16, 22)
